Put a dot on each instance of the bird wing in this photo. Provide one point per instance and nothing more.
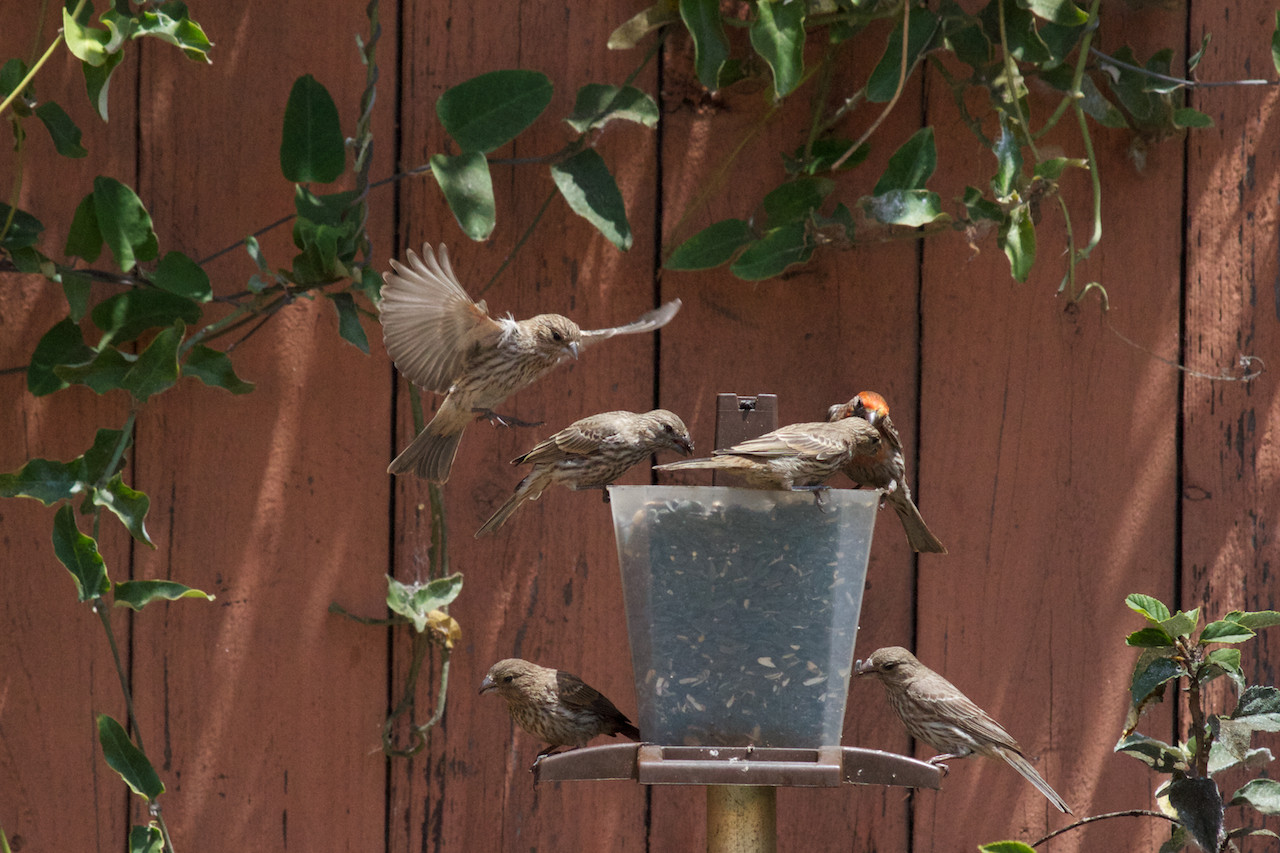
(428, 320)
(578, 438)
(817, 440)
(944, 701)
(649, 321)
(576, 693)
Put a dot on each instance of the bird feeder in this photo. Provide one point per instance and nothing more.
(742, 610)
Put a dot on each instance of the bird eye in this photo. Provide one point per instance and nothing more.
(508, 679)
(556, 336)
(888, 666)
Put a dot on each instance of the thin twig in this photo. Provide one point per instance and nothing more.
(897, 93)
(1108, 816)
(1180, 81)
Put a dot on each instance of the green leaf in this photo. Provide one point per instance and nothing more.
(1245, 831)
(169, 23)
(128, 505)
(214, 368)
(312, 148)
(1008, 151)
(1254, 619)
(97, 81)
(1006, 847)
(126, 759)
(1187, 117)
(1194, 59)
(1062, 12)
(416, 601)
(978, 207)
(11, 74)
(156, 369)
(1149, 638)
(711, 247)
(138, 594)
(1221, 662)
(1157, 754)
(1096, 105)
(598, 104)
(349, 327)
(468, 187)
(79, 553)
(884, 78)
(911, 165)
(63, 344)
(1258, 699)
(1275, 44)
(1262, 794)
(1198, 803)
(63, 131)
(1025, 44)
(1053, 168)
(796, 200)
(1147, 680)
(178, 274)
(585, 183)
(124, 222)
(84, 240)
(95, 460)
(103, 373)
(146, 839)
(1224, 631)
(628, 35)
(710, 44)
(1181, 624)
(773, 253)
(89, 44)
(912, 208)
(45, 480)
(23, 231)
(77, 289)
(1230, 746)
(777, 34)
(488, 111)
(1016, 237)
(1152, 608)
(125, 316)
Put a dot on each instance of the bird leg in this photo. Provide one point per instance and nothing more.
(819, 492)
(937, 760)
(503, 420)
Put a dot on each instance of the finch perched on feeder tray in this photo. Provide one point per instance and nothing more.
(937, 713)
(555, 706)
(446, 342)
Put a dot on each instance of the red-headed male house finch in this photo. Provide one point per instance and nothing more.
(790, 456)
(592, 453)
(447, 343)
(886, 468)
(554, 706)
(938, 714)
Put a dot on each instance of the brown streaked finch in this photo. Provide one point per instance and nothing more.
(445, 342)
(556, 707)
(801, 455)
(938, 714)
(886, 468)
(592, 453)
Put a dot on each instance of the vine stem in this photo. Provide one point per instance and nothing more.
(1107, 816)
(1181, 81)
(897, 93)
(39, 63)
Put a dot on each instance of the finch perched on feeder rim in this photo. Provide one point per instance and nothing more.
(446, 342)
(592, 453)
(554, 706)
(803, 454)
(886, 468)
(938, 714)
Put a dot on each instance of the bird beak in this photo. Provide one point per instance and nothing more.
(863, 667)
(573, 349)
(487, 685)
(685, 445)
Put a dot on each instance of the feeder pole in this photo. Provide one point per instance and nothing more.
(742, 819)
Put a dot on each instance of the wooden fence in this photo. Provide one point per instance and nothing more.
(1057, 452)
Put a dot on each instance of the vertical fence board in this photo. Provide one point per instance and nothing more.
(1049, 450)
(1230, 500)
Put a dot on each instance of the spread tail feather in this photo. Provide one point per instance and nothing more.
(430, 455)
(528, 490)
